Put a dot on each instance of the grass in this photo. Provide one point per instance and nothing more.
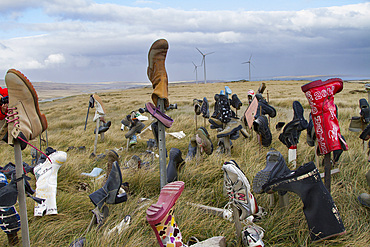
(203, 182)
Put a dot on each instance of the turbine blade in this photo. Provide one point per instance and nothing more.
(199, 51)
(250, 57)
(208, 53)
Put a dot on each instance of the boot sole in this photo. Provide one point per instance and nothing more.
(167, 198)
(30, 87)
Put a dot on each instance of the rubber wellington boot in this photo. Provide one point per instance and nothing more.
(157, 71)
(46, 175)
(24, 117)
(320, 96)
(174, 164)
(321, 213)
(161, 218)
(109, 192)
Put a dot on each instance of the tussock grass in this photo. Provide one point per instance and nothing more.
(203, 182)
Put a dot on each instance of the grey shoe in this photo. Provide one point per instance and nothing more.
(136, 128)
(364, 199)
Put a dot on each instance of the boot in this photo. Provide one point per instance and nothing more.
(103, 128)
(161, 218)
(216, 112)
(298, 112)
(112, 157)
(155, 132)
(99, 110)
(205, 108)
(291, 133)
(157, 71)
(224, 109)
(137, 127)
(231, 127)
(192, 151)
(264, 107)
(320, 95)
(311, 136)
(46, 183)
(321, 214)
(275, 167)
(23, 114)
(260, 125)
(235, 102)
(109, 192)
(174, 164)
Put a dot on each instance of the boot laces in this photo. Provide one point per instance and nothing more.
(10, 116)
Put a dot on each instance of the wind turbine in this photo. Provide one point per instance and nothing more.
(196, 72)
(204, 63)
(249, 61)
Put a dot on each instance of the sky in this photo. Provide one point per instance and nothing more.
(82, 41)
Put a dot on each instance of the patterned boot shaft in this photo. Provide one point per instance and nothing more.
(168, 231)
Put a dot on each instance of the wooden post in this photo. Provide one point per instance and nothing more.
(238, 225)
(46, 136)
(21, 194)
(196, 121)
(96, 134)
(227, 145)
(327, 170)
(316, 156)
(162, 147)
(102, 134)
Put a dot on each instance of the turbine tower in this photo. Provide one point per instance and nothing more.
(196, 72)
(249, 62)
(204, 63)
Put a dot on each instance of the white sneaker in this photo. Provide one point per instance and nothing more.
(252, 236)
(238, 189)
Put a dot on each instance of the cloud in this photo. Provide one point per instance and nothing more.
(114, 39)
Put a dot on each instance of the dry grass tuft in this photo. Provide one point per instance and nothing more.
(203, 182)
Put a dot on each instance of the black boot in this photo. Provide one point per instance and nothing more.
(261, 126)
(264, 107)
(235, 102)
(290, 135)
(155, 132)
(109, 192)
(174, 164)
(299, 115)
(216, 113)
(322, 215)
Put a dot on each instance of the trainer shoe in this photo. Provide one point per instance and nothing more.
(238, 189)
(252, 235)
(203, 140)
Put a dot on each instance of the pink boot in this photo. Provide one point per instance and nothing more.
(320, 95)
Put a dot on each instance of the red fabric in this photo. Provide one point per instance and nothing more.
(3, 93)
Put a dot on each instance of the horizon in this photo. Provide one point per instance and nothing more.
(92, 41)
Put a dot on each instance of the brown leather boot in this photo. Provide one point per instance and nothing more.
(24, 116)
(157, 71)
(112, 156)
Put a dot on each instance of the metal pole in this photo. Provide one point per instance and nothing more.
(162, 147)
(96, 134)
(21, 194)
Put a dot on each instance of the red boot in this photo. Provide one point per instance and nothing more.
(320, 95)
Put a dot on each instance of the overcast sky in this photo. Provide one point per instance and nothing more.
(108, 40)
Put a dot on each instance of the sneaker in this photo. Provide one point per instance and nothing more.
(238, 189)
(275, 167)
(203, 140)
(133, 141)
(252, 236)
(197, 106)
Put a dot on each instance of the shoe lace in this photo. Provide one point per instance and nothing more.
(10, 118)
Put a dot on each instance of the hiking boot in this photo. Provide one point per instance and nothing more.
(197, 106)
(238, 189)
(264, 107)
(203, 140)
(364, 199)
(231, 127)
(260, 125)
(298, 112)
(215, 123)
(216, 112)
(174, 164)
(205, 108)
(24, 117)
(291, 133)
(157, 71)
(235, 102)
(103, 128)
(275, 167)
(137, 127)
